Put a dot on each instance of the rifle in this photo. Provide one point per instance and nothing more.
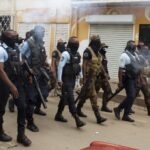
(27, 68)
(118, 90)
(84, 89)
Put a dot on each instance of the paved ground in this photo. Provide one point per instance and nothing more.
(64, 136)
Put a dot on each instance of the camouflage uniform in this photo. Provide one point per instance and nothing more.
(144, 86)
(92, 67)
(102, 82)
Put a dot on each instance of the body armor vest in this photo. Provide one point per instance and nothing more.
(135, 67)
(13, 66)
(72, 68)
(38, 55)
(95, 65)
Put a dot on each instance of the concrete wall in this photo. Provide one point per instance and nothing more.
(81, 28)
(47, 11)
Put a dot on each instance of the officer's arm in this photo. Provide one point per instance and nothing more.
(121, 72)
(6, 80)
(4, 77)
(64, 58)
(53, 64)
(25, 50)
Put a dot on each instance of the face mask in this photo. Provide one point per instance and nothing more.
(39, 36)
(73, 46)
(61, 47)
(103, 51)
(10, 42)
(131, 47)
(95, 45)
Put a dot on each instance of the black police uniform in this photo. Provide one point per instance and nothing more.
(36, 60)
(15, 72)
(132, 71)
(70, 70)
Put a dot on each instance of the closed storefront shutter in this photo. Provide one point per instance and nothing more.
(116, 37)
(25, 27)
(62, 32)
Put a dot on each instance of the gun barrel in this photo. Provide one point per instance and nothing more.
(115, 93)
(36, 84)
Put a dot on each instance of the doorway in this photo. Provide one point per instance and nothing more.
(144, 34)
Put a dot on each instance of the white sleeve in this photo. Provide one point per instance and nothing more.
(3, 55)
(65, 57)
(122, 61)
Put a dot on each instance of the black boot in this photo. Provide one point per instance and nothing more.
(148, 110)
(106, 109)
(38, 111)
(59, 117)
(11, 105)
(79, 123)
(127, 118)
(32, 127)
(4, 137)
(80, 113)
(99, 118)
(131, 112)
(24, 140)
(117, 113)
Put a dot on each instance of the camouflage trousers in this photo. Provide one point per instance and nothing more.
(107, 91)
(91, 94)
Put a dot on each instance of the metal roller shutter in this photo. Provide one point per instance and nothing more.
(25, 27)
(62, 31)
(115, 36)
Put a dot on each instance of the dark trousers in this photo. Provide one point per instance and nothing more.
(21, 107)
(20, 103)
(45, 91)
(130, 88)
(67, 95)
(31, 98)
(4, 94)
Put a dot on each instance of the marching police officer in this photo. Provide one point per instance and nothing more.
(129, 70)
(68, 69)
(103, 80)
(33, 50)
(92, 68)
(12, 80)
(56, 55)
(143, 82)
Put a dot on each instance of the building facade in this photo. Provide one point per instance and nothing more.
(115, 21)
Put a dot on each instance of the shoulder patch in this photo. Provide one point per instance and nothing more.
(85, 54)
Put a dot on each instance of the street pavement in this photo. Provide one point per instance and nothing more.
(65, 136)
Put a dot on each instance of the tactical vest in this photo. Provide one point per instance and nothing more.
(95, 65)
(135, 67)
(13, 66)
(38, 55)
(72, 68)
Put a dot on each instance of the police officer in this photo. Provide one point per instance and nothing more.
(92, 67)
(68, 69)
(11, 104)
(33, 51)
(103, 80)
(56, 55)
(12, 79)
(144, 84)
(129, 70)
